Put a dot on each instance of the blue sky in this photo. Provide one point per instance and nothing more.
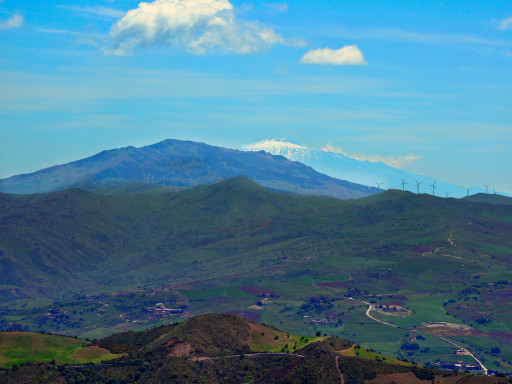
(422, 85)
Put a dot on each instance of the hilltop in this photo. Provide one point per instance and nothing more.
(223, 348)
(91, 265)
(491, 198)
(172, 164)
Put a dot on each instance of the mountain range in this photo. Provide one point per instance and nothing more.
(175, 163)
(361, 172)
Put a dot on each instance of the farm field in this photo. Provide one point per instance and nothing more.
(24, 347)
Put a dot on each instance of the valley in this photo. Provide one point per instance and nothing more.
(78, 263)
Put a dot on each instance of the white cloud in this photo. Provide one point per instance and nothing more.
(13, 22)
(199, 26)
(98, 11)
(506, 24)
(348, 55)
(393, 161)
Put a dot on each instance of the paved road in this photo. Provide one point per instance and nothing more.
(370, 306)
(439, 337)
(460, 347)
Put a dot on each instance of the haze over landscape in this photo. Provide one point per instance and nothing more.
(255, 192)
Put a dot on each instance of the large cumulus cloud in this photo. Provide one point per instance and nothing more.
(198, 26)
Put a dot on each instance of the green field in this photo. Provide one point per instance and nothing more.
(23, 347)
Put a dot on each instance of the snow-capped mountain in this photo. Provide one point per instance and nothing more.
(288, 149)
(357, 171)
(184, 164)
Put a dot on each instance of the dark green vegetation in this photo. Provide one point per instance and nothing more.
(90, 265)
(25, 347)
(218, 348)
(490, 198)
(175, 163)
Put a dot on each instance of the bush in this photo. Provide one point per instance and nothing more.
(408, 346)
(495, 350)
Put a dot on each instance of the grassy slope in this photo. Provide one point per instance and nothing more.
(22, 347)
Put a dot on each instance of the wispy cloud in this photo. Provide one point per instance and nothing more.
(277, 7)
(97, 11)
(58, 31)
(399, 35)
(348, 55)
(14, 21)
(198, 26)
(393, 161)
(506, 24)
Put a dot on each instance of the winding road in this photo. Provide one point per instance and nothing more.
(439, 337)
(370, 306)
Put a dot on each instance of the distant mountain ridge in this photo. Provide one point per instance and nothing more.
(181, 164)
(357, 171)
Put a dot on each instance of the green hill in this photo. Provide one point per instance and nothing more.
(217, 348)
(91, 265)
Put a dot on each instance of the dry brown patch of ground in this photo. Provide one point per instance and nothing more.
(181, 350)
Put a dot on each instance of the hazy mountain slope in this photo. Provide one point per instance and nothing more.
(183, 164)
(361, 172)
(71, 239)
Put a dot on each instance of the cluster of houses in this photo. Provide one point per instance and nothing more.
(160, 310)
(459, 365)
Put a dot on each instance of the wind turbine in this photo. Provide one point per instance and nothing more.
(433, 188)
(67, 176)
(486, 187)
(447, 193)
(403, 184)
(467, 191)
(418, 186)
(378, 185)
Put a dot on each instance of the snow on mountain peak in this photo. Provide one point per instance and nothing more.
(288, 149)
(273, 144)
